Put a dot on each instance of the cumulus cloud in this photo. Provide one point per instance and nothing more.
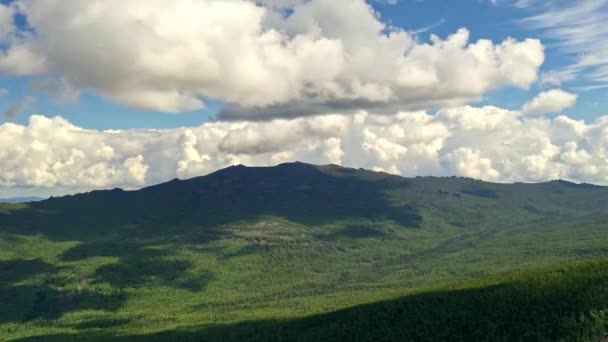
(53, 152)
(487, 143)
(259, 57)
(551, 101)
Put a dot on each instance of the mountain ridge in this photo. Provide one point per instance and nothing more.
(324, 194)
(331, 170)
(17, 200)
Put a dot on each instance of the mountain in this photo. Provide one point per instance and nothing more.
(311, 194)
(265, 251)
(15, 200)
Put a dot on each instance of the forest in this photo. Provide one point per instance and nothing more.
(308, 253)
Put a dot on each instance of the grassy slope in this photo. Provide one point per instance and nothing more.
(187, 255)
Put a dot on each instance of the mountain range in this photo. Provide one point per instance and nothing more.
(21, 199)
(260, 252)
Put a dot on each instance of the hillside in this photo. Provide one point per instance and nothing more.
(287, 242)
(15, 200)
(557, 304)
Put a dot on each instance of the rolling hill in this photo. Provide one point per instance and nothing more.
(15, 200)
(324, 251)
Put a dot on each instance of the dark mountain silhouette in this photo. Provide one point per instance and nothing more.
(312, 194)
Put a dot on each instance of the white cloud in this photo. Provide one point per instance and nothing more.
(53, 152)
(488, 143)
(551, 101)
(512, 3)
(469, 162)
(17, 56)
(578, 30)
(20, 60)
(171, 56)
(557, 77)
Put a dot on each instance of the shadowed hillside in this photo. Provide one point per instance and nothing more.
(567, 303)
(316, 195)
(283, 247)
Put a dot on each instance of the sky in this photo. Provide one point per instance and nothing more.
(99, 94)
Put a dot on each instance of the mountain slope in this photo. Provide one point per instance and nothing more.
(286, 242)
(312, 194)
(15, 200)
(567, 303)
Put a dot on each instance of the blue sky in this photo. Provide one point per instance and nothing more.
(484, 20)
(98, 94)
(487, 20)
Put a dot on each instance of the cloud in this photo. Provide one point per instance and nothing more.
(20, 60)
(429, 27)
(6, 21)
(578, 30)
(16, 108)
(54, 153)
(551, 101)
(261, 57)
(557, 77)
(59, 89)
(16, 53)
(512, 3)
(490, 143)
(390, 2)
